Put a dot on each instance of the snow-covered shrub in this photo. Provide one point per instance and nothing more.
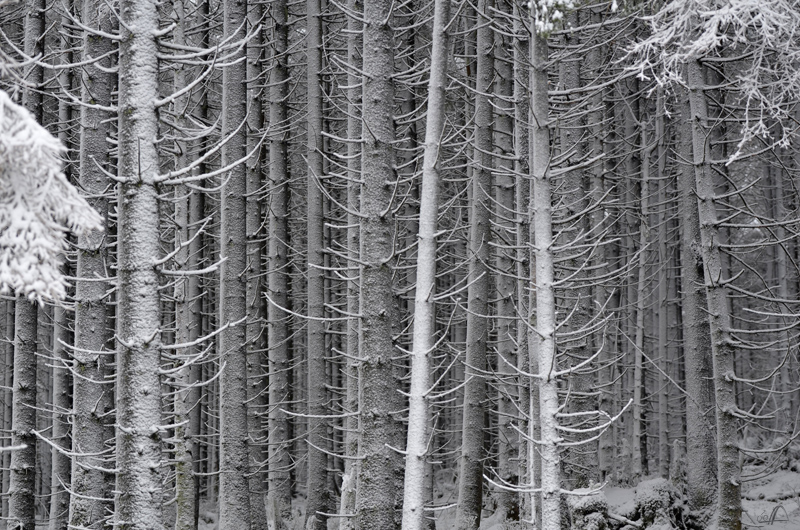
(588, 512)
(37, 206)
(660, 506)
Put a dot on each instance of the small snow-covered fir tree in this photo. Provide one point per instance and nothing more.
(37, 206)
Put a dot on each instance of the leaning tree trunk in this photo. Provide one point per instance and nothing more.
(729, 501)
(424, 338)
(379, 465)
(700, 422)
(139, 458)
(470, 486)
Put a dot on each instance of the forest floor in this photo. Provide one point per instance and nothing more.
(771, 503)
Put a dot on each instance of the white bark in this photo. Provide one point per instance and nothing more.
(424, 338)
(139, 480)
(545, 314)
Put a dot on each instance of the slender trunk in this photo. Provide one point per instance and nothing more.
(316, 484)
(348, 498)
(22, 499)
(280, 463)
(470, 486)
(255, 332)
(234, 495)
(663, 298)
(139, 480)
(639, 454)
(729, 502)
(380, 465)
(545, 315)
(424, 338)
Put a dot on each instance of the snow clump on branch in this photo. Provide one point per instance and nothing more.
(37, 207)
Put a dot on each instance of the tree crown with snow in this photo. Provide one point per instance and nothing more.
(38, 206)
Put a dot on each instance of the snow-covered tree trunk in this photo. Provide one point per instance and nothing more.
(545, 307)
(91, 398)
(139, 458)
(379, 401)
(280, 458)
(348, 496)
(729, 502)
(470, 485)
(700, 420)
(22, 501)
(317, 460)
(234, 495)
(664, 448)
(424, 337)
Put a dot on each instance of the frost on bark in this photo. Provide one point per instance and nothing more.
(255, 332)
(700, 421)
(139, 479)
(379, 400)
(92, 399)
(60, 478)
(348, 497)
(280, 463)
(234, 456)
(543, 283)
(729, 502)
(470, 486)
(317, 479)
(21, 487)
(424, 338)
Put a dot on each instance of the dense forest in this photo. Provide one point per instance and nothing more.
(383, 264)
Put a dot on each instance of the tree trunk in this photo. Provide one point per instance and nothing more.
(280, 461)
(424, 338)
(139, 480)
(470, 486)
(380, 465)
(729, 502)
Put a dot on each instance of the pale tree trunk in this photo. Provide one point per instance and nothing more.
(424, 337)
(317, 461)
(92, 398)
(379, 402)
(280, 462)
(470, 485)
(22, 500)
(729, 502)
(8, 361)
(348, 497)
(139, 478)
(545, 308)
(700, 423)
(255, 332)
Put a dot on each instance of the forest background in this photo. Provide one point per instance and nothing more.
(390, 264)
